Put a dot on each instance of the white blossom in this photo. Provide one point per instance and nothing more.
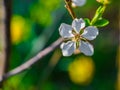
(78, 2)
(77, 35)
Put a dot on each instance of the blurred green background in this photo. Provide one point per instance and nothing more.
(34, 26)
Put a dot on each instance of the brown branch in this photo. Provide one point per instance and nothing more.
(32, 61)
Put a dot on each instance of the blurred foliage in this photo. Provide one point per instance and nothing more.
(34, 26)
(41, 11)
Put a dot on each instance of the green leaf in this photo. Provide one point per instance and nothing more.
(87, 22)
(98, 14)
(101, 22)
(100, 11)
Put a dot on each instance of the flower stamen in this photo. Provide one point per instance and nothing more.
(76, 37)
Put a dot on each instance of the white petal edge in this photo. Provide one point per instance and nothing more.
(78, 24)
(68, 48)
(78, 2)
(86, 48)
(90, 32)
(65, 30)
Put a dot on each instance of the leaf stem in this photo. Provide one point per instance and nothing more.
(69, 8)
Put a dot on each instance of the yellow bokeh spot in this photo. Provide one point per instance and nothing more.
(17, 26)
(81, 70)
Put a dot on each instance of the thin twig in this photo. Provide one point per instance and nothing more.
(69, 8)
(32, 61)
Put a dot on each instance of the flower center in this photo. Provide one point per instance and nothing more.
(76, 37)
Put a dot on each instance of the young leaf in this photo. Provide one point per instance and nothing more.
(101, 23)
(98, 14)
(87, 22)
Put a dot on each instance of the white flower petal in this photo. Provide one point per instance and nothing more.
(65, 30)
(68, 48)
(78, 2)
(86, 48)
(78, 24)
(90, 33)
